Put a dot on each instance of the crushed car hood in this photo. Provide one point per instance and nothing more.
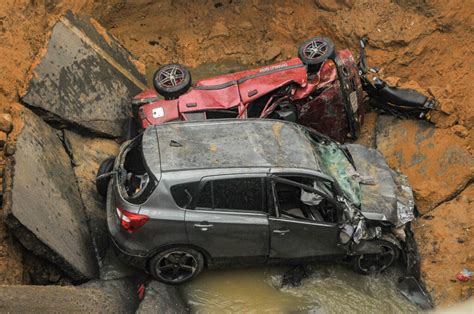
(385, 194)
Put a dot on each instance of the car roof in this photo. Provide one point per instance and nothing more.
(230, 144)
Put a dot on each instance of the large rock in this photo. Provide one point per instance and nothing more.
(84, 77)
(447, 246)
(42, 203)
(437, 162)
(161, 298)
(87, 154)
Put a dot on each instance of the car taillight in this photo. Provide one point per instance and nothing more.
(130, 221)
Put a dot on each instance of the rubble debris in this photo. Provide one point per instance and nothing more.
(411, 288)
(125, 289)
(464, 275)
(295, 275)
(9, 149)
(6, 124)
(161, 298)
(42, 203)
(87, 154)
(85, 78)
(113, 268)
(3, 138)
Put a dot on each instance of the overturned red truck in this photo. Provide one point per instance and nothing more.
(321, 89)
(307, 90)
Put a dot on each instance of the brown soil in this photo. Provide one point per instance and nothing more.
(411, 40)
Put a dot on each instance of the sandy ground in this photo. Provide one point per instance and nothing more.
(425, 45)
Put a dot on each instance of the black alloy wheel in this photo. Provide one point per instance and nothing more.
(176, 266)
(376, 263)
(316, 51)
(172, 80)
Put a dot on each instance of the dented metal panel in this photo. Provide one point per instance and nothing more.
(203, 145)
(386, 196)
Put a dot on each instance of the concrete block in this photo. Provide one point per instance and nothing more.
(42, 204)
(88, 153)
(85, 78)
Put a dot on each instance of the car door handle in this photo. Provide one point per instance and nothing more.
(281, 232)
(203, 226)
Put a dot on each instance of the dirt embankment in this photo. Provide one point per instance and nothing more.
(412, 41)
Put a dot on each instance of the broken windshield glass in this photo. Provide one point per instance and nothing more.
(334, 162)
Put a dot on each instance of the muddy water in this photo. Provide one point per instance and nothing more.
(329, 289)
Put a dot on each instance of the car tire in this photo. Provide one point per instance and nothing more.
(168, 265)
(172, 80)
(315, 51)
(102, 184)
(368, 264)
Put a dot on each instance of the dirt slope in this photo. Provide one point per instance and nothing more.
(411, 40)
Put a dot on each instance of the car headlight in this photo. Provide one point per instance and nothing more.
(346, 233)
(405, 213)
(360, 232)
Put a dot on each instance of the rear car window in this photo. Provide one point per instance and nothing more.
(135, 180)
(232, 194)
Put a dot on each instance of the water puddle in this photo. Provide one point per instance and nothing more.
(329, 289)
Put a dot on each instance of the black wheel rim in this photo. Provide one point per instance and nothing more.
(315, 49)
(376, 263)
(176, 266)
(171, 76)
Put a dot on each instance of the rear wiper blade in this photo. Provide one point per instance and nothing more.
(105, 175)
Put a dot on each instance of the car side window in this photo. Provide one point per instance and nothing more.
(205, 197)
(295, 201)
(183, 193)
(232, 194)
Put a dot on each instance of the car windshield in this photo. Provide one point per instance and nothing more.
(335, 163)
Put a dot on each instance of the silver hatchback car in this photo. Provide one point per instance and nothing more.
(184, 196)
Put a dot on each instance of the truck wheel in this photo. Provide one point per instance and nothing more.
(376, 263)
(101, 183)
(176, 265)
(315, 51)
(172, 80)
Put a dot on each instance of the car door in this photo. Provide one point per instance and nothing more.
(293, 234)
(229, 218)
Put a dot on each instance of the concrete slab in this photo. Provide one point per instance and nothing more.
(161, 298)
(87, 154)
(42, 204)
(84, 78)
(117, 296)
